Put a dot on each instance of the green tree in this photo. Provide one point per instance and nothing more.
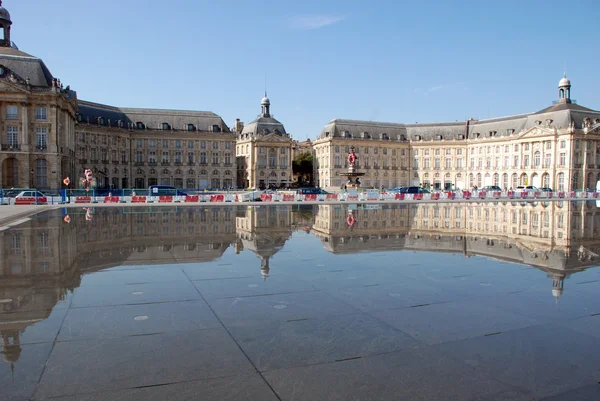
(302, 167)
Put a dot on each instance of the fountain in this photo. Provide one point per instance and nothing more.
(353, 181)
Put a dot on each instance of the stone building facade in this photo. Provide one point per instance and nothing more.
(37, 119)
(137, 148)
(264, 152)
(557, 147)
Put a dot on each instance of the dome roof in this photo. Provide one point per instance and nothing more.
(265, 101)
(564, 82)
(4, 14)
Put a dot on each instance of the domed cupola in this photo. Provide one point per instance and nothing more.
(564, 90)
(265, 104)
(5, 23)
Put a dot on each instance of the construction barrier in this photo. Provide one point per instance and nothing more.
(31, 200)
(83, 199)
(138, 199)
(111, 199)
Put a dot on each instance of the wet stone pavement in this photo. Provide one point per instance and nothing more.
(480, 302)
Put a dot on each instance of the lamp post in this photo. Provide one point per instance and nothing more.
(31, 184)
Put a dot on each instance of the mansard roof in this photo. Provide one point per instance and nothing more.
(150, 118)
(26, 66)
(558, 115)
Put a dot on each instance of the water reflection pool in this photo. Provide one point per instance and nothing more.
(329, 302)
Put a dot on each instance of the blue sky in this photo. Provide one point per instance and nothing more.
(397, 61)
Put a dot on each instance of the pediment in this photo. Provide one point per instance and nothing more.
(273, 138)
(9, 87)
(537, 132)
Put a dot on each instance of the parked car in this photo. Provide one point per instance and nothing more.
(311, 191)
(546, 189)
(491, 188)
(413, 190)
(165, 190)
(527, 188)
(30, 194)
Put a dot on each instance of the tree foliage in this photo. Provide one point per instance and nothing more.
(302, 166)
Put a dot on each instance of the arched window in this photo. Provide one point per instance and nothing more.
(546, 180)
(496, 179)
(41, 176)
(515, 181)
(215, 172)
(524, 179)
(478, 179)
(561, 181)
(537, 159)
(504, 181)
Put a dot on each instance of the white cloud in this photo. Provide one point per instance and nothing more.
(308, 22)
(444, 86)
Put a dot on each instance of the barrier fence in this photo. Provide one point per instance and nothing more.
(33, 197)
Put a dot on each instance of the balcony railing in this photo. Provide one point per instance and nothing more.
(191, 163)
(152, 163)
(165, 163)
(179, 163)
(14, 146)
(115, 162)
(139, 163)
(578, 165)
(104, 161)
(41, 148)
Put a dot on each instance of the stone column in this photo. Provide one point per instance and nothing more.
(25, 121)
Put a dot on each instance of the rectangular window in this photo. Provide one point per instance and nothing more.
(165, 157)
(228, 159)
(215, 159)
(215, 145)
(190, 157)
(152, 144)
(563, 144)
(178, 144)
(165, 143)
(228, 145)
(178, 157)
(152, 157)
(139, 156)
(12, 136)
(140, 143)
(123, 156)
(41, 138)
(12, 112)
(562, 159)
(190, 145)
(40, 113)
(203, 145)
(458, 163)
(203, 158)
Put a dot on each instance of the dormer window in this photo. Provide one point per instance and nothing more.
(385, 136)
(326, 134)
(80, 117)
(417, 137)
(460, 137)
(403, 137)
(191, 127)
(140, 125)
(438, 137)
(216, 128)
(538, 122)
(365, 135)
(347, 134)
(166, 126)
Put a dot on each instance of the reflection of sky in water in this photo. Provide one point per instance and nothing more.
(527, 264)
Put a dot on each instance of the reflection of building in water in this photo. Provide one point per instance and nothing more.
(36, 272)
(556, 237)
(43, 259)
(264, 231)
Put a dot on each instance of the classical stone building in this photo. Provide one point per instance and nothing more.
(136, 148)
(47, 134)
(264, 151)
(557, 147)
(37, 119)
